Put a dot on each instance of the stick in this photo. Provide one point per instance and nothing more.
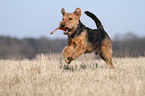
(53, 31)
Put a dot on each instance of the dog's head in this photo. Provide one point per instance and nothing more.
(70, 21)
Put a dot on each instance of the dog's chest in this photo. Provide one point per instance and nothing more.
(82, 41)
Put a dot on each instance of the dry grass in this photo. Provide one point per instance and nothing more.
(47, 76)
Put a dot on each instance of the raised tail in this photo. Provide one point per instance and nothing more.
(97, 21)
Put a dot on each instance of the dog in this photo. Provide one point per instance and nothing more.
(82, 39)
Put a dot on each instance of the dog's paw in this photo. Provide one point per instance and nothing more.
(67, 61)
(70, 58)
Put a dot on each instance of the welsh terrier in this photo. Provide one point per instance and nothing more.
(82, 39)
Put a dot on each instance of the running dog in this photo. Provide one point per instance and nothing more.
(82, 39)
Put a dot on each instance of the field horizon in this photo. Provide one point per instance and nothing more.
(47, 75)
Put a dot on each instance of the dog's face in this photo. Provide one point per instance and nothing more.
(70, 21)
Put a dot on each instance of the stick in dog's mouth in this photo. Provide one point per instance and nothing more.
(60, 28)
(54, 30)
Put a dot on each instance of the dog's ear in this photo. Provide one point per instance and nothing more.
(77, 12)
(62, 11)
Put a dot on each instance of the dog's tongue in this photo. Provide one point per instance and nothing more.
(66, 31)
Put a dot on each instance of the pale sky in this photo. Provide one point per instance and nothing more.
(36, 18)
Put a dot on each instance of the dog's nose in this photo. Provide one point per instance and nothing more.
(62, 25)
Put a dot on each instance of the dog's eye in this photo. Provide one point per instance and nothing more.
(62, 19)
(70, 18)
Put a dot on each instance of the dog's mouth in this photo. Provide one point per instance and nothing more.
(67, 31)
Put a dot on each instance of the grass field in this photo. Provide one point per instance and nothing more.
(86, 76)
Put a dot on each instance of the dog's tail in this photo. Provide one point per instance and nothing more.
(97, 21)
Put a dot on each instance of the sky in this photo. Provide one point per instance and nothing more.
(37, 18)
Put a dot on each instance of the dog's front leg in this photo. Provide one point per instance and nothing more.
(79, 50)
(66, 52)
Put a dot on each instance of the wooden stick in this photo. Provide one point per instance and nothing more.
(53, 31)
(60, 28)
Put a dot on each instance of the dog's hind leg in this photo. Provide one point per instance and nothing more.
(106, 53)
(107, 59)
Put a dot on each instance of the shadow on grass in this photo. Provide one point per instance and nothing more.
(78, 67)
(82, 66)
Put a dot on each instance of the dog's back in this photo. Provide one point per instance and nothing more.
(96, 36)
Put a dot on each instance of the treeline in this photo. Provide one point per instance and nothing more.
(128, 45)
(13, 48)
